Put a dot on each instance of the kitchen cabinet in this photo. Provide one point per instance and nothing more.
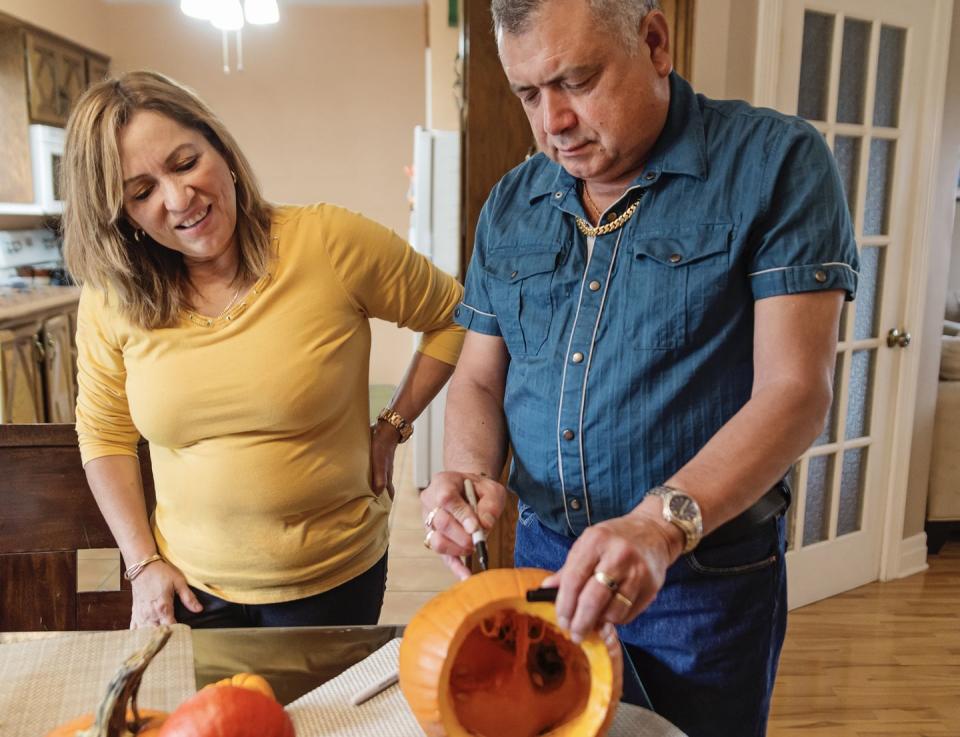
(41, 78)
(38, 357)
(21, 385)
(57, 74)
(16, 175)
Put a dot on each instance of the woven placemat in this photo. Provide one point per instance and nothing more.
(46, 681)
(328, 711)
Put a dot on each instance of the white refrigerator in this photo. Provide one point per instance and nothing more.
(434, 232)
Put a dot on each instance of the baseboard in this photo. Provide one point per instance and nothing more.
(913, 555)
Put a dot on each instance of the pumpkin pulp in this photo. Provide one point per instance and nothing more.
(517, 664)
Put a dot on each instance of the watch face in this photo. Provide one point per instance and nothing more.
(683, 507)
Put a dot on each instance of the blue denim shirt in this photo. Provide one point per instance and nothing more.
(622, 368)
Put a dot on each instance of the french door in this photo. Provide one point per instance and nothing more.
(858, 70)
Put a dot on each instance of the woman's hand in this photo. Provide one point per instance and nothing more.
(449, 519)
(153, 592)
(384, 439)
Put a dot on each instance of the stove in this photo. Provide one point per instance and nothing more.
(30, 258)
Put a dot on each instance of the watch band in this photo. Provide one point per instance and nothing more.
(691, 524)
(394, 418)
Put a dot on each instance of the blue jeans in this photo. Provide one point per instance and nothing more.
(706, 650)
(355, 602)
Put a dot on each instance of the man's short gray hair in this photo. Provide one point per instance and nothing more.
(622, 17)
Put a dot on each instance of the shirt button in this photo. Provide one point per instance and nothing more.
(558, 195)
(568, 434)
(574, 504)
(611, 216)
(594, 285)
(577, 357)
(675, 258)
(513, 274)
(820, 276)
(649, 176)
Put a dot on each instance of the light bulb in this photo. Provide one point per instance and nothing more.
(201, 9)
(227, 15)
(261, 12)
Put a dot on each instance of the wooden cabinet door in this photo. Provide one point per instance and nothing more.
(97, 70)
(16, 173)
(71, 78)
(58, 369)
(42, 83)
(21, 388)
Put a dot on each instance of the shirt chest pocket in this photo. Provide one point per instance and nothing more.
(676, 277)
(519, 288)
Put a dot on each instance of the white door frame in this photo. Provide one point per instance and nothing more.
(895, 560)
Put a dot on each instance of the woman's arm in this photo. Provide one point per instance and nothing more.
(424, 378)
(118, 489)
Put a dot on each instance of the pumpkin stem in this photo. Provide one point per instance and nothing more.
(112, 713)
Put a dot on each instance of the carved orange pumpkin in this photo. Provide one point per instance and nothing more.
(478, 660)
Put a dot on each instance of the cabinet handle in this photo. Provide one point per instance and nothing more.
(51, 347)
(38, 344)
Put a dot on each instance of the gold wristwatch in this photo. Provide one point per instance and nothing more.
(394, 418)
(682, 511)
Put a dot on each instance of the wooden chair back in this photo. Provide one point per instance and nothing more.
(47, 514)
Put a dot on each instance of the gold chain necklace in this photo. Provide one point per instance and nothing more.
(590, 232)
(588, 200)
(226, 309)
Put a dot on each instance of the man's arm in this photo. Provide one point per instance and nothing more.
(795, 345)
(795, 339)
(475, 447)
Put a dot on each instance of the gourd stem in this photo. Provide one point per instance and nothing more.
(111, 718)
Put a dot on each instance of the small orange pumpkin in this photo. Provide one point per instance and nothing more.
(228, 710)
(479, 660)
(241, 706)
(118, 715)
(247, 680)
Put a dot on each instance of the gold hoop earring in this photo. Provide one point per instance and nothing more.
(137, 234)
(234, 175)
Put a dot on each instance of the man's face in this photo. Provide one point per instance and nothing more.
(594, 108)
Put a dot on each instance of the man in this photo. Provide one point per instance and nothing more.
(652, 313)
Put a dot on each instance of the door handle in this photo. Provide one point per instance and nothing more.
(898, 338)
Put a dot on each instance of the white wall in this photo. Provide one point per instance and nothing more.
(931, 328)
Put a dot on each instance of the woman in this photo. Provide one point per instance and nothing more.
(234, 336)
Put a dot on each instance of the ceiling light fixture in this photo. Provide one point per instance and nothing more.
(227, 15)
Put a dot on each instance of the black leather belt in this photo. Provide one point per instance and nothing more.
(770, 505)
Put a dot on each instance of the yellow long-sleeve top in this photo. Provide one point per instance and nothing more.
(258, 420)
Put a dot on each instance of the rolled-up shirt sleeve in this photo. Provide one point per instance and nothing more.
(804, 239)
(104, 426)
(476, 312)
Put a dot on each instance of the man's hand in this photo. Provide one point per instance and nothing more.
(452, 521)
(632, 552)
(153, 592)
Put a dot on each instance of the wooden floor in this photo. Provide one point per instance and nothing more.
(880, 661)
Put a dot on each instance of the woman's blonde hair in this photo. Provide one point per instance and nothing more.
(100, 247)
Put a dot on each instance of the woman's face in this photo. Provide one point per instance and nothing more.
(177, 188)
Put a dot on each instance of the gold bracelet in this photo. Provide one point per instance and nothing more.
(137, 568)
(394, 418)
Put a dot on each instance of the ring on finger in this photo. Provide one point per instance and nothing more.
(623, 599)
(608, 581)
(426, 540)
(428, 522)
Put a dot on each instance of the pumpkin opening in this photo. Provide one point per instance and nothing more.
(519, 664)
